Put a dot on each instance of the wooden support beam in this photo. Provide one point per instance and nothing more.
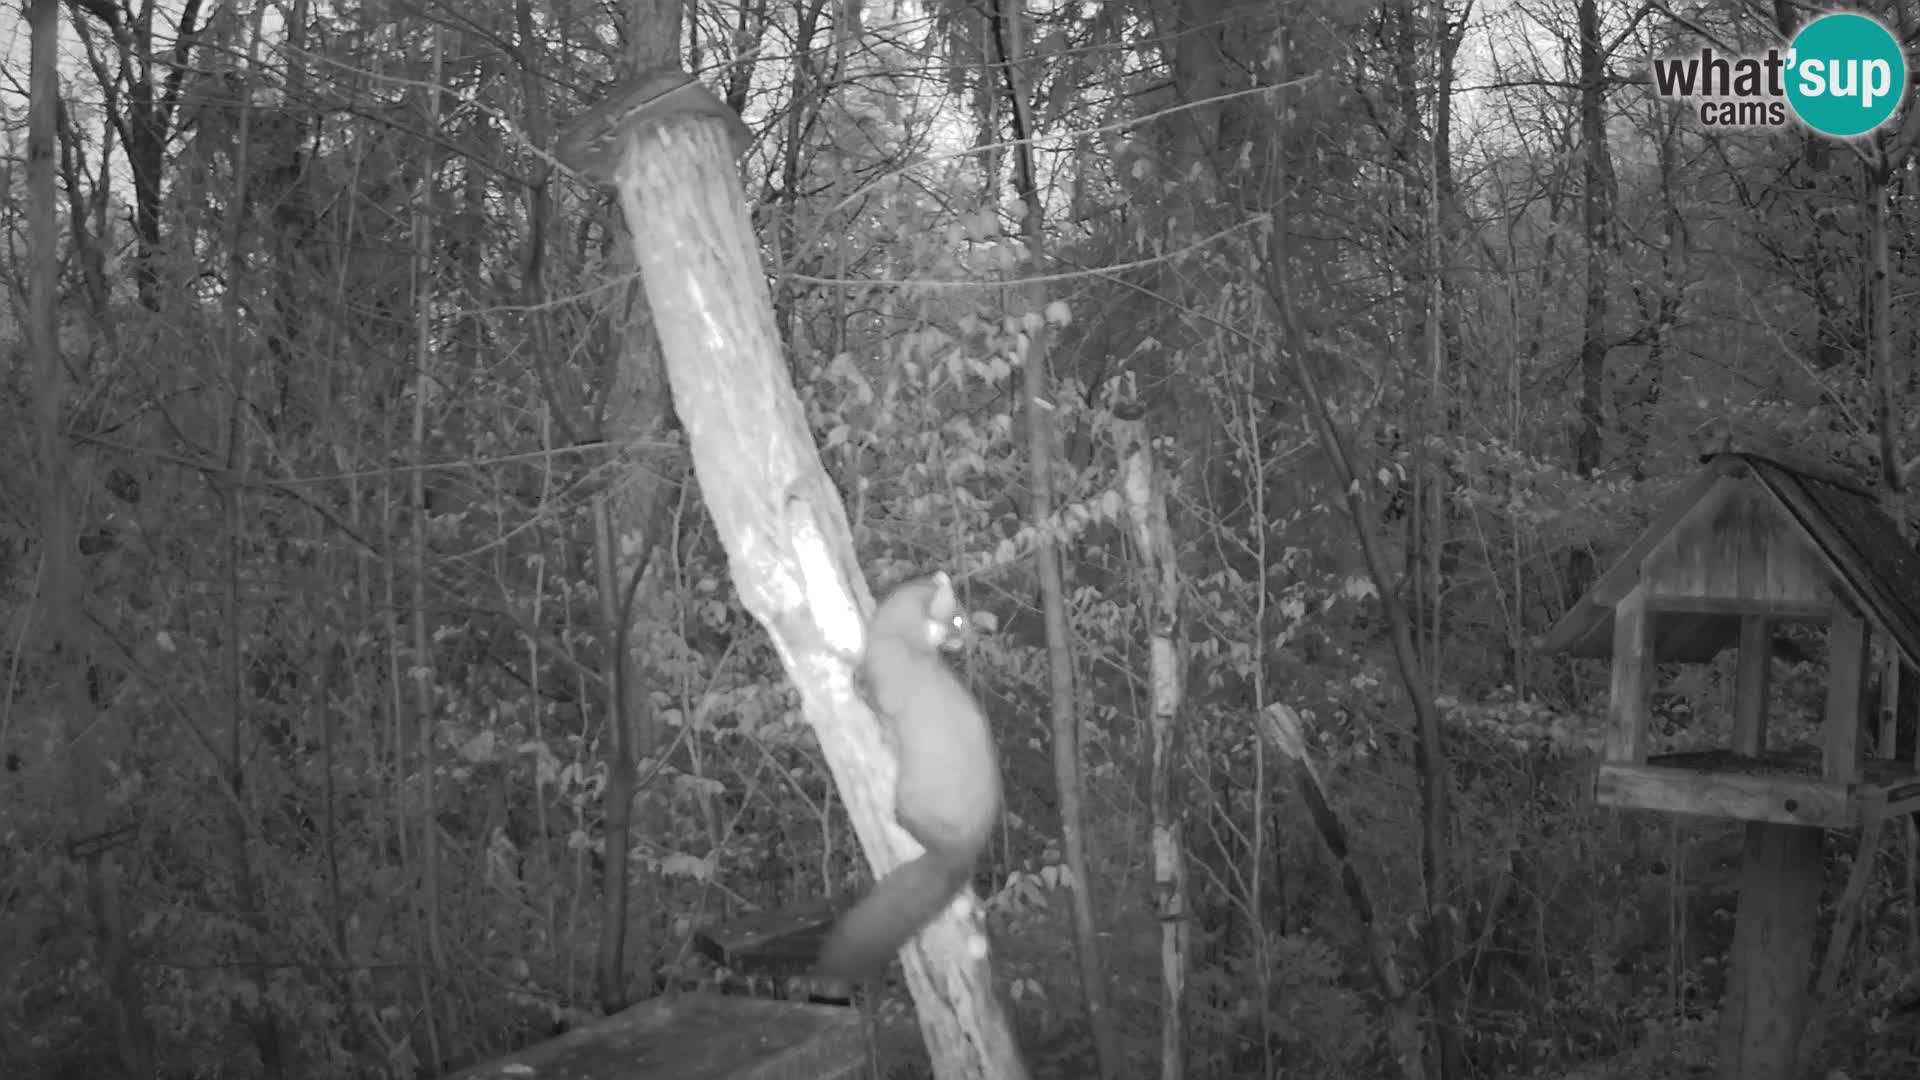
(1846, 677)
(1750, 685)
(1631, 700)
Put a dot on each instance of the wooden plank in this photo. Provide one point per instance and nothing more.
(1750, 686)
(1630, 702)
(1786, 800)
(1776, 610)
(1846, 676)
(1765, 1007)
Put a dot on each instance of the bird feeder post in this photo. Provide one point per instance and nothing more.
(1764, 1008)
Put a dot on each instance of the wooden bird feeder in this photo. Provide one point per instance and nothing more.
(1750, 544)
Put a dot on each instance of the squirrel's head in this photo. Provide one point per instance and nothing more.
(924, 612)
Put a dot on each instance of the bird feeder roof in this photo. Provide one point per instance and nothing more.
(1852, 541)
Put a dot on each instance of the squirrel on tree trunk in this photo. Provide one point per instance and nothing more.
(948, 792)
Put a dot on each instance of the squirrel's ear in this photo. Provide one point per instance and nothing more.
(943, 605)
(946, 619)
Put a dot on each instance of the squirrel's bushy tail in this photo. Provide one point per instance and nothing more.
(865, 939)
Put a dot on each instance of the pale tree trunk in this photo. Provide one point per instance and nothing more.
(60, 597)
(1143, 488)
(667, 145)
(1063, 706)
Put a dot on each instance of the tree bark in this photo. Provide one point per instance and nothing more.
(1144, 490)
(667, 146)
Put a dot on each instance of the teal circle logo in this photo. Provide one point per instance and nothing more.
(1846, 75)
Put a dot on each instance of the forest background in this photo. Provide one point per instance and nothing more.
(306, 753)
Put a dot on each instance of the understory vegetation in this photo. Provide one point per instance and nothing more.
(361, 483)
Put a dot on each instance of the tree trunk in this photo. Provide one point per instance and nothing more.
(60, 596)
(1144, 490)
(666, 144)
